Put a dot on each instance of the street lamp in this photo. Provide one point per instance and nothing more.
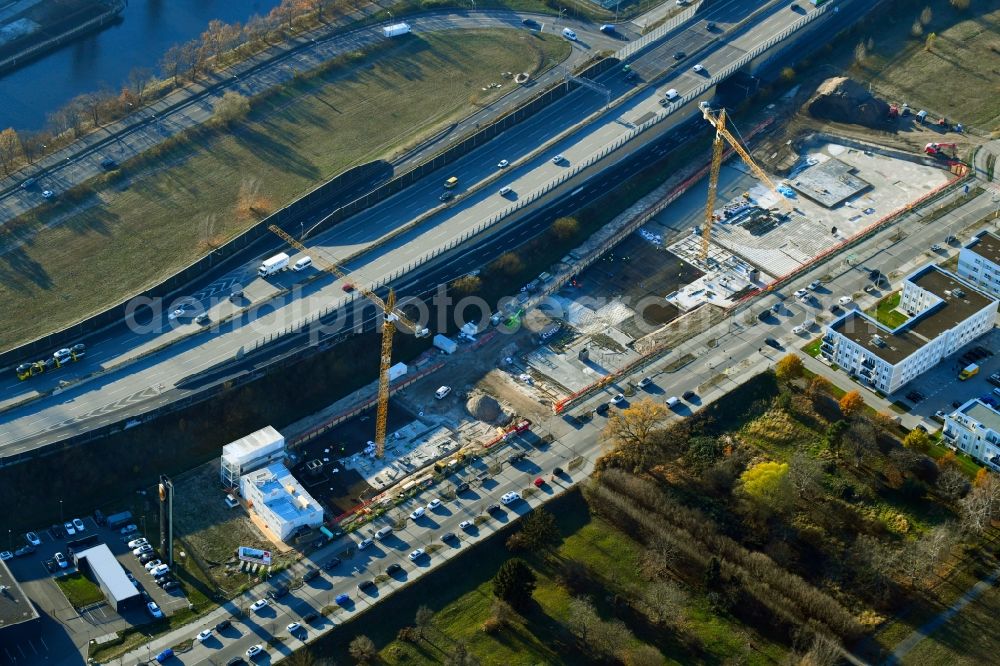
(61, 519)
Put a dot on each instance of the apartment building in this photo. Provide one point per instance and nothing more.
(944, 314)
(975, 428)
(979, 263)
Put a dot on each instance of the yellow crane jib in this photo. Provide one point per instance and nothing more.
(718, 121)
(390, 319)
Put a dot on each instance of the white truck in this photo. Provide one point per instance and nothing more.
(396, 29)
(272, 265)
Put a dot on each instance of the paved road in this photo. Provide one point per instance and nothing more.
(119, 393)
(156, 127)
(739, 354)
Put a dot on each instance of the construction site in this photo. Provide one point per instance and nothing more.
(722, 239)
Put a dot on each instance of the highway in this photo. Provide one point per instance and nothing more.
(119, 393)
(726, 355)
(195, 104)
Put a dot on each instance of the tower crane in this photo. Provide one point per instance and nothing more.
(718, 121)
(391, 318)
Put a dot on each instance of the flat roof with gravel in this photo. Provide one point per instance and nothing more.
(958, 302)
(987, 245)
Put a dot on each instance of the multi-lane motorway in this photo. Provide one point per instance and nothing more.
(123, 392)
(733, 350)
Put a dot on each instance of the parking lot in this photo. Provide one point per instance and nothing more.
(940, 390)
(64, 631)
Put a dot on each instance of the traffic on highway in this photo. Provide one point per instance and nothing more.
(189, 347)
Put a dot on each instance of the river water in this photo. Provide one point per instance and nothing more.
(147, 29)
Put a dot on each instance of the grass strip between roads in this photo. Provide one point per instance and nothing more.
(193, 196)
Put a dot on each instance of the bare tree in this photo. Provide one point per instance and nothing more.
(172, 62)
(362, 648)
(823, 652)
(805, 473)
(981, 506)
(422, 620)
(10, 149)
(952, 484)
(34, 144)
(138, 80)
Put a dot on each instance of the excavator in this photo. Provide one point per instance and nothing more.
(938, 150)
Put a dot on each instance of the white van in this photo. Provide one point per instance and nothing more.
(505, 190)
(442, 392)
(671, 94)
(672, 401)
(383, 533)
(303, 263)
(569, 34)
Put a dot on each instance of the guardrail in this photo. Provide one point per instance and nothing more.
(568, 174)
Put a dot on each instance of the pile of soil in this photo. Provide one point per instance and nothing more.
(484, 407)
(845, 101)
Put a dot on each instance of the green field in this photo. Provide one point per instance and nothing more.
(79, 590)
(135, 231)
(956, 77)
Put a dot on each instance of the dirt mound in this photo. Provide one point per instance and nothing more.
(484, 407)
(844, 101)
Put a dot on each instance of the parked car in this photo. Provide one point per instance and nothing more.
(152, 564)
(364, 543)
(255, 650)
(461, 488)
(393, 568)
(159, 570)
(690, 395)
(492, 508)
(142, 550)
(644, 382)
(69, 529)
(332, 563)
(223, 625)
(61, 560)
(416, 554)
(465, 525)
(33, 539)
(170, 585)
(6, 555)
(136, 543)
(293, 628)
(154, 610)
(771, 342)
(165, 656)
(203, 635)
(509, 498)
(342, 600)
(618, 399)
(366, 584)
(129, 529)
(417, 513)
(259, 605)
(448, 536)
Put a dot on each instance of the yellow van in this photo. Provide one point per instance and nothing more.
(451, 182)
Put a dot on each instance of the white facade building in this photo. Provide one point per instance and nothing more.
(281, 502)
(254, 451)
(975, 428)
(979, 263)
(945, 314)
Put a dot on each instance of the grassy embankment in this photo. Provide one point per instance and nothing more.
(178, 202)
